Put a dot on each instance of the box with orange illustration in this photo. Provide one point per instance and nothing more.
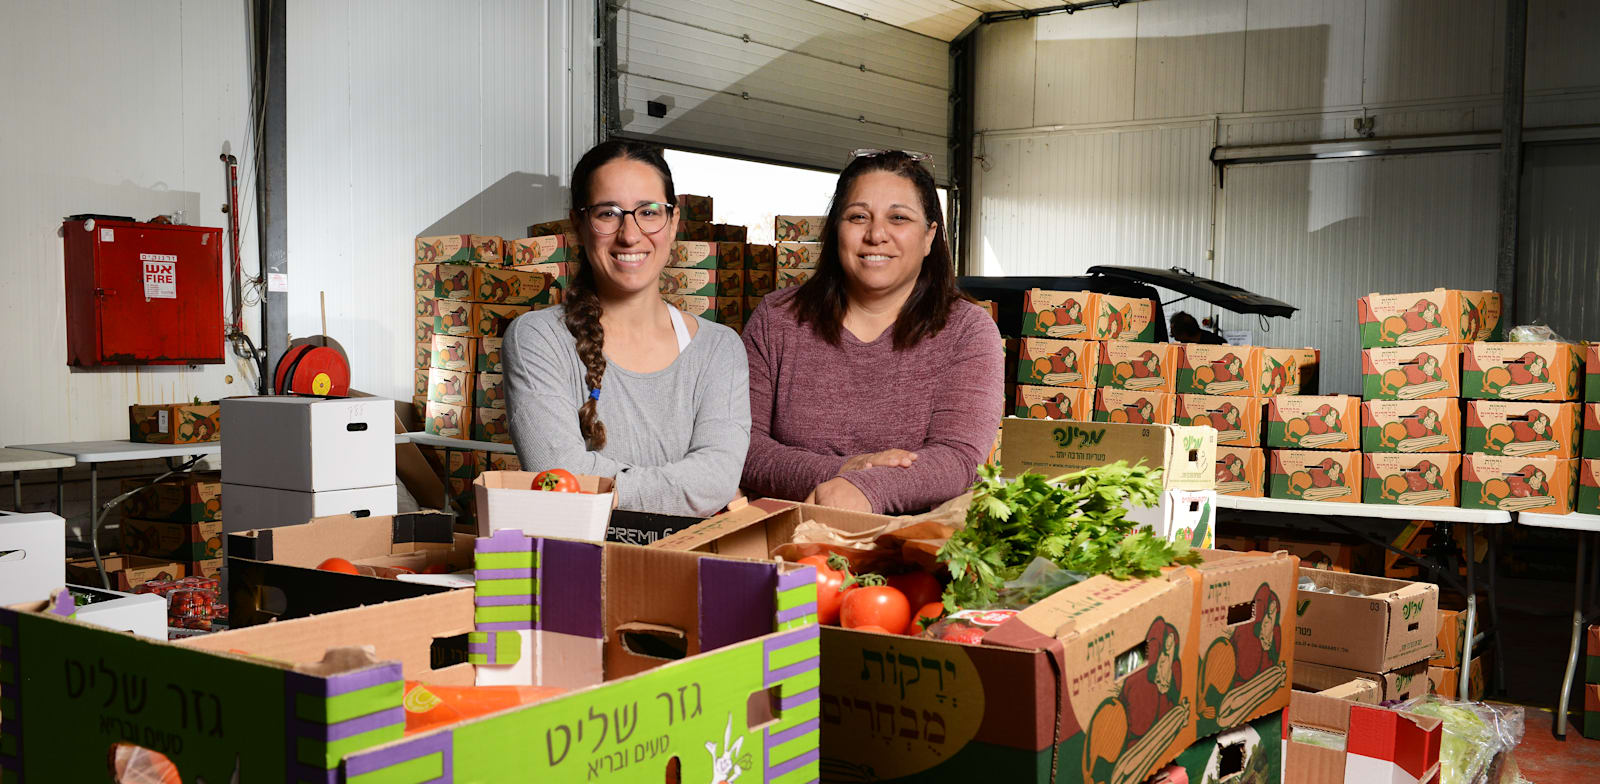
(453, 352)
(799, 255)
(424, 330)
(489, 391)
(423, 278)
(1521, 371)
(1314, 422)
(1305, 475)
(1057, 314)
(563, 227)
(798, 228)
(1411, 480)
(761, 257)
(511, 286)
(1517, 429)
(1591, 431)
(695, 208)
(450, 281)
(1135, 408)
(729, 232)
(489, 355)
(730, 255)
(690, 230)
(492, 321)
(1411, 426)
(731, 282)
(1136, 366)
(760, 282)
(1241, 471)
(1411, 373)
(1428, 318)
(450, 386)
(1518, 484)
(465, 248)
(1588, 487)
(1056, 363)
(557, 277)
(692, 282)
(175, 423)
(1237, 419)
(1054, 403)
(177, 541)
(450, 317)
(442, 419)
(1215, 370)
(1123, 318)
(420, 381)
(491, 424)
(789, 278)
(1285, 371)
(693, 254)
(1591, 378)
(731, 311)
(548, 249)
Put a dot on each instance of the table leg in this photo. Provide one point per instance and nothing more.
(16, 491)
(1580, 581)
(1472, 623)
(61, 493)
(449, 497)
(1499, 679)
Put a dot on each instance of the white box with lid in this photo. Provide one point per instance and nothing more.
(308, 444)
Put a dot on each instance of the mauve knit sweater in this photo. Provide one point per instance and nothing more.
(813, 405)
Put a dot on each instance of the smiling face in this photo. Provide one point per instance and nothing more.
(628, 261)
(884, 234)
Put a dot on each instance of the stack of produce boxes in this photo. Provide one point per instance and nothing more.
(1316, 447)
(705, 275)
(1444, 667)
(1522, 426)
(1227, 388)
(1591, 675)
(1350, 626)
(760, 275)
(1589, 468)
(1073, 364)
(176, 522)
(799, 248)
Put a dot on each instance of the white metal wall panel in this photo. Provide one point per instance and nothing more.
(1303, 54)
(1559, 275)
(941, 19)
(1164, 199)
(1085, 66)
(1562, 51)
(1427, 49)
(1005, 76)
(1190, 58)
(1319, 235)
(387, 141)
(122, 109)
(757, 94)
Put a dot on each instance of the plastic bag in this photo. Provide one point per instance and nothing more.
(1041, 578)
(1478, 739)
(968, 626)
(1314, 737)
(1534, 333)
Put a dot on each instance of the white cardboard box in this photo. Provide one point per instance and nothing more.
(1187, 515)
(33, 556)
(505, 499)
(246, 508)
(144, 614)
(308, 444)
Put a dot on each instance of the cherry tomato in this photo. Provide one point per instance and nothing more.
(919, 587)
(875, 605)
(925, 617)
(829, 596)
(338, 565)
(557, 480)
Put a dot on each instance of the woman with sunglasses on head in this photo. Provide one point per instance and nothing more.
(614, 381)
(877, 385)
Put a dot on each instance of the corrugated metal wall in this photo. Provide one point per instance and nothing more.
(1558, 280)
(114, 108)
(414, 118)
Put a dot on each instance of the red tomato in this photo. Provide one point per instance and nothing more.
(925, 617)
(878, 629)
(919, 587)
(828, 594)
(557, 480)
(875, 605)
(437, 569)
(338, 565)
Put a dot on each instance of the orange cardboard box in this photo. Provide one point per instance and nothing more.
(450, 281)
(761, 257)
(1216, 370)
(789, 278)
(1137, 366)
(1446, 681)
(1318, 554)
(1054, 403)
(1411, 373)
(442, 419)
(1246, 630)
(799, 255)
(1521, 371)
(452, 387)
(1591, 431)
(1057, 363)
(1285, 371)
(479, 248)
(1314, 422)
(1241, 472)
(1520, 429)
(1428, 318)
(548, 249)
(1588, 490)
(175, 423)
(1236, 419)
(420, 382)
(1518, 484)
(453, 352)
(1304, 475)
(1057, 314)
(1591, 378)
(1411, 425)
(1411, 479)
(424, 331)
(1134, 408)
(1123, 318)
(424, 357)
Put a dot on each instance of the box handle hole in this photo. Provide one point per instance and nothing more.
(764, 707)
(356, 427)
(654, 641)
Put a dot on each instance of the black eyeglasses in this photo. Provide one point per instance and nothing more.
(606, 219)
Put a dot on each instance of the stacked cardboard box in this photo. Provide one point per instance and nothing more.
(799, 248)
(760, 275)
(1059, 360)
(1315, 447)
(1522, 426)
(177, 521)
(1444, 667)
(1589, 468)
(1591, 686)
(1350, 626)
(705, 275)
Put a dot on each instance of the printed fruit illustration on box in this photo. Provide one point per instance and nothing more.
(798, 228)
(788, 278)
(1522, 429)
(1220, 376)
(685, 281)
(1277, 376)
(1059, 367)
(184, 424)
(1528, 487)
(1315, 430)
(1141, 371)
(1419, 324)
(1476, 322)
(450, 355)
(424, 278)
(1235, 473)
(1416, 432)
(1526, 377)
(445, 421)
(1589, 488)
(1226, 415)
(1244, 669)
(1123, 318)
(493, 321)
(453, 281)
(1421, 376)
(1056, 314)
(1319, 482)
(447, 388)
(489, 355)
(1425, 483)
(793, 255)
(1521, 371)
(1132, 729)
(1056, 406)
(452, 315)
(1142, 410)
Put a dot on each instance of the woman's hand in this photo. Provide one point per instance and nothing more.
(839, 493)
(898, 458)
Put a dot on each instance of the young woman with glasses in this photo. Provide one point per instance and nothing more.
(875, 386)
(616, 382)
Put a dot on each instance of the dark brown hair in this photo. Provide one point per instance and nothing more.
(581, 303)
(822, 301)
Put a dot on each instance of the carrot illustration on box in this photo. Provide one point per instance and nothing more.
(1319, 428)
(1065, 320)
(1416, 432)
(1278, 377)
(1221, 376)
(1319, 481)
(1059, 368)
(1058, 407)
(793, 230)
(1246, 668)
(1527, 435)
(1139, 412)
(1142, 373)
(1418, 378)
(1113, 320)
(1419, 324)
(1527, 376)
(1528, 488)
(1416, 486)
(1225, 419)
(794, 257)
(1131, 729)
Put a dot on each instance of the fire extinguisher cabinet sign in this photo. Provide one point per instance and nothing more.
(143, 294)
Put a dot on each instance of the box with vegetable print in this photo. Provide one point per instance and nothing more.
(453, 352)
(549, 249)
(1516, 429)
(1411, 426)
(1057, 363)
(1136, 366)
(1521, 371)
(452, 387)
(1057, 314)
(1588, 490)
(489, 391)
(1314, 422)
(1426, 318)
(1411, 479)
(1236, 419)
(799, 255)
(458, 248)
(1123, 318)
(799, 228)
(1054, 403)
(1134, 408)
(1241, 471)
(697, 255)
(492, 425)
(1411, 373)
(489, 355)
(1518, 484)
(1303, 475)
(175, 423)
(1215, 370)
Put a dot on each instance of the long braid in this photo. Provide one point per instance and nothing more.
(581, 314)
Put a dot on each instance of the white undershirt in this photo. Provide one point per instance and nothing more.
(679, 328)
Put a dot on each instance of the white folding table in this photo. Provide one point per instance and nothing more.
(1587, 525)
(18, 460)
(456, 445)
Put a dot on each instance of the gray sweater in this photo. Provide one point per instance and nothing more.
(675, 438)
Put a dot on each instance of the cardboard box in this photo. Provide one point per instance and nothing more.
(1137, 408)
(1250, 753)
(750, 305)
(452, 281)
(126, 572)
(35, 544)
(1237, 420)
(1381, 746)
(506, 501)
(424, 303)
(1591, 382)
(691, 282)
(696, 231)
(491, 424)
(1303, 475)
(1245, 638)
(1412, 373)
(728, 232)
(424, 360)
(789, 278)
(799, 255)
(1450, 641)
(762, 257)
(465, 248)
(1522, 429)
(563, 226)
(1058, 314)
(1322, 554)
(731, 283)
(489, 391)
(1411, 426)
(730, 255)
(1591, 710)
(449, 421)
(1411, 480)
(452, 317)
(547, 249)
(1187, 516)
(1591, 668)
(1056, 363)
(1428, 318)
(759, 283)
(1588, 487)
(1215, 370)
(190, 497)
(502, 286)
(1521, 371)
(424, 330)
(1398, 685)
(1314, 422)
(798, 228)
(175, 423)
(1286, 371)
(464, 465)
(1446, 681)
(176, 541)
(1518, 484)
(1123, 318)
(693, 254)
(489, 355)
(450, 386)
(1240, 544)
(1136, 366)
(695, 208)
(1241, 471)
(309, 444)
(424, 278)
(1415, 537)
(1187, 455)
(1391, 626)
(1591, 431)
(492, 321)
(708, 308)
(502, 462)
(453, 352)
(249, 508)
(1054, 403)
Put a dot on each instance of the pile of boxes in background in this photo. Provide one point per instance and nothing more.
(1591, 684)
(708, 274)
(170, 530)
(1350, 626)
(799, 248)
